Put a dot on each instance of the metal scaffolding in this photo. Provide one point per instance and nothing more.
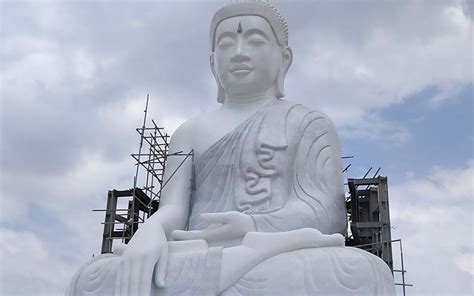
(401, 270)
(144, 196)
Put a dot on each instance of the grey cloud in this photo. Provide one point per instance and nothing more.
(367, 56)
(142, 42)
(75, 75)
(433, 216)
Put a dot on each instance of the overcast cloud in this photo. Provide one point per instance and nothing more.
(395, 76)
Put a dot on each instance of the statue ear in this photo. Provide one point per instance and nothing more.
(220, 89)
(287, 56)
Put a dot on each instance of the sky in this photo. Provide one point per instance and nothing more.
(395, 77)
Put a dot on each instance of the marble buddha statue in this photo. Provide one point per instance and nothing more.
(260, 209)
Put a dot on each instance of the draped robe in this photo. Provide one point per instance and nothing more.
(282, 167)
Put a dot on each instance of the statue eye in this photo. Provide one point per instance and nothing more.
(225, 43)
(257, 40)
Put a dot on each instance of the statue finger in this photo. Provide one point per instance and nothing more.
(212, 234)
(222, 218)
(218, 233)
(156, 276)
(162, 266)
(146, 278)
(188, 235)
(135, 277)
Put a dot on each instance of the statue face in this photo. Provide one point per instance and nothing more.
(247, 57)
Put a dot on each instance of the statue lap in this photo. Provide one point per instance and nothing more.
(193, 270)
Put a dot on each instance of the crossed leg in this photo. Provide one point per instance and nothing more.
(258, 246)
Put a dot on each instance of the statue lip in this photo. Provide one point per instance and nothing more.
(241, 68)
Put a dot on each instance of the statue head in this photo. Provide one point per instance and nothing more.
(249, 50)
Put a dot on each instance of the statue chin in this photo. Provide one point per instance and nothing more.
(275, 177)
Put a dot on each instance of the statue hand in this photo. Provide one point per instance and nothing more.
(232, 225)
(144, 256)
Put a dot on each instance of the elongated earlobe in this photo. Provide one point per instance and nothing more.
(285, 65)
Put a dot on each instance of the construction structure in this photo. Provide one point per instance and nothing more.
(142, 200)
(369, 221)
(370, 216)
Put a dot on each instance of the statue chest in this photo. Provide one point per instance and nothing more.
(248, 170)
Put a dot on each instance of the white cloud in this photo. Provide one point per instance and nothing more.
(33, 74)
(465, 262)
(85, 66)
(372, 127)
(433, 217)
(59, 213)
(373, 59)
(446, 186)
(57, 207)
(28, 267)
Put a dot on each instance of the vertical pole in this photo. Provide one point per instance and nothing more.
(135, 180)
(141, 142)
(128, 230)
(109, 222)
(403, 267)
(151, 168)
(385, 219)
(165, 157)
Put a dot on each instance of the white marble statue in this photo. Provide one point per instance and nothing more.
(260, 210)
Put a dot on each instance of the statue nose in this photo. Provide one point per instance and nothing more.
(240, 53)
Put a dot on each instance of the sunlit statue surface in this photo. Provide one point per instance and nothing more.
(260, 210)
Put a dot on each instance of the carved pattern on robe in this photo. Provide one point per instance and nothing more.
(261, 172)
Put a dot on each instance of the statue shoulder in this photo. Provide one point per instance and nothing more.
(301, 117)
(183, 130)
(183, 136)
(193, 128)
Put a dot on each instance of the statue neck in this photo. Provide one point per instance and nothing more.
(248, 101)
(248, 105)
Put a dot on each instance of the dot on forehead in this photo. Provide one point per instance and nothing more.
(241, 24)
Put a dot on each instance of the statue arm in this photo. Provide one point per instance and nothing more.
(174, 203)
(316, 198)
(149, 246)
